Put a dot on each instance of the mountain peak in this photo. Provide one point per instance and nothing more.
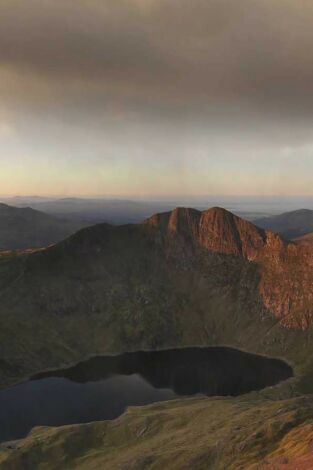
(215, 229)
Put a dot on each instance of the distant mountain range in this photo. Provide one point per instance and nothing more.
(124, 211)
(93, 211)
(23, 228)
(290, 225)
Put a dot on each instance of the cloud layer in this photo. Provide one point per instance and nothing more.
(102, 78)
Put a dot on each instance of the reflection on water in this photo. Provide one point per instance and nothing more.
(102, 387)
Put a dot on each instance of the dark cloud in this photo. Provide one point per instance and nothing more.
(115, 77)
(213, 51)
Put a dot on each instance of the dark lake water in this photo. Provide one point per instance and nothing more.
(103, 387)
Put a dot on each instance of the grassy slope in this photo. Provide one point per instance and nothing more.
(198, 433)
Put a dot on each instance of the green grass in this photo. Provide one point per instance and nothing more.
(197, 433)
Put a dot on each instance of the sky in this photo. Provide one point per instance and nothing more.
(144, 98)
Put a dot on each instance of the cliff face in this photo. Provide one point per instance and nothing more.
(287, 284)
(216, 230)
(286, 268)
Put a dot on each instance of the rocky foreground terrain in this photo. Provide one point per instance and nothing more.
(182, 278)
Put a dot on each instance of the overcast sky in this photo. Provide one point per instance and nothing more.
(156, 97)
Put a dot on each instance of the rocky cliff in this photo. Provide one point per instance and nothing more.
(286, 282)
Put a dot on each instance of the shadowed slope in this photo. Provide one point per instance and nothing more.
(22, 228)
(289, 224)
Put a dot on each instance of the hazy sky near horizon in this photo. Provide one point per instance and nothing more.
(156, 97)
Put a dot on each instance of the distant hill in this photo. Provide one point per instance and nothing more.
(113, 211)
(23, 228)
(117, 211)
(289, 224)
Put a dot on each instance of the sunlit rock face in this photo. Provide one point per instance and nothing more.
(286, 282)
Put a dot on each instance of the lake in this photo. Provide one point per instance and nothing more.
(103, 387)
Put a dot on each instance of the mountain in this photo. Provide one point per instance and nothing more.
(289, 224)
(23, 228)
(181, 278)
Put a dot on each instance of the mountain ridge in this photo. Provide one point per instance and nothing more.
(292, 224)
